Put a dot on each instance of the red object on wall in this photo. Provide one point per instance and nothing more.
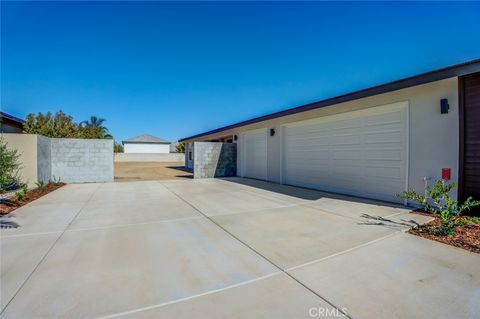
(446, 174)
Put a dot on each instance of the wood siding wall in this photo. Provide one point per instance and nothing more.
(469, 90)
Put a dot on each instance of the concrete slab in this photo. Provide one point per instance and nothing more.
(213, 204)
(19, 257)
(277, 297)
(94, 273)
(357, 209)
(135, 191)
(403, 276)
(71, 193)
(140, 249)
(289, 193)
(200, 186)
(401, 222)
(41, 218)
(124, 212)
(291, 236)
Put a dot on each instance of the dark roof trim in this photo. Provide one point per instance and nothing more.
(436, 75)
(11, 118)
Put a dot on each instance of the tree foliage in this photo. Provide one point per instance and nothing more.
(9, 167)
(180, 147)
(117, 148)
(62, 125)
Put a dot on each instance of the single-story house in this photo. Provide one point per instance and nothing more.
(10, 123)
(146, 144)
(374, 143)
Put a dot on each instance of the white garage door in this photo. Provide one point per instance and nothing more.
(361, 153)
(254, 154)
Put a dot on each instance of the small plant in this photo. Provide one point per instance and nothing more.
(55, 181)
(41, 186)
(447, 209)
(22, 194)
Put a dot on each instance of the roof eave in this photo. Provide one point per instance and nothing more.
(431, 76)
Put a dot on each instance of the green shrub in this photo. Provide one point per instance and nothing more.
(9, 167)
(55, 181)
(61, 125)
(180, 147)
(117, 148)
(445, 208)
(22, 194)
(41, 186)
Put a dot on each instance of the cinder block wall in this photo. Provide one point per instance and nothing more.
(82, 160)
(214, 159)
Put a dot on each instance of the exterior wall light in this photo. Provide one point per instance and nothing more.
(272, 132)
(444, 106)
(235, 137)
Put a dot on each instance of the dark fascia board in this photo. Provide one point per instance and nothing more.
(11, 118)
(432, 76)
(135, 142)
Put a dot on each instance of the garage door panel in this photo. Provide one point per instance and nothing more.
(255, 154)
(353, 154)
(383, 155)
(351, 139)
(360, 153)
(384, 173)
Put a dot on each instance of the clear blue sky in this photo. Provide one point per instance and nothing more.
(177, 69)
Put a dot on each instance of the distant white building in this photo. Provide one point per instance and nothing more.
(146, 144)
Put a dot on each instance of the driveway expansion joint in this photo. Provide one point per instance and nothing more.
(339, 309)
(49, 250)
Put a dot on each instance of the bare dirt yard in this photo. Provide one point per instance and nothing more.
(136, 171)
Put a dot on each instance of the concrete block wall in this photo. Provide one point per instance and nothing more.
(214, 159)
(82, 160)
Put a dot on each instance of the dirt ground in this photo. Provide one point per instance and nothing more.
(136, 171)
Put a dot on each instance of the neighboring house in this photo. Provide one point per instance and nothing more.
(373, 143)
(173, 148)
(146, 144)
(10, 123)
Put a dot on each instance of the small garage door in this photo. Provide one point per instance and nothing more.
(361, 153)
(254, 154)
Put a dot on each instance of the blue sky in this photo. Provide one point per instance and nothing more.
(177, 69)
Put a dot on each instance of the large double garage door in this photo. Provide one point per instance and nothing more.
(363, 153)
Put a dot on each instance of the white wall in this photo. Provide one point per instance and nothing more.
(146, 148)
(189, 155)
(142, 157)
(433, 137)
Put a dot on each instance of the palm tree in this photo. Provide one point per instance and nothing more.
(97, 123)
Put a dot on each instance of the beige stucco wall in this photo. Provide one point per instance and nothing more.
(26, 144)
(433, 137)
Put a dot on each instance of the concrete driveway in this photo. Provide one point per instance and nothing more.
(232, 248)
